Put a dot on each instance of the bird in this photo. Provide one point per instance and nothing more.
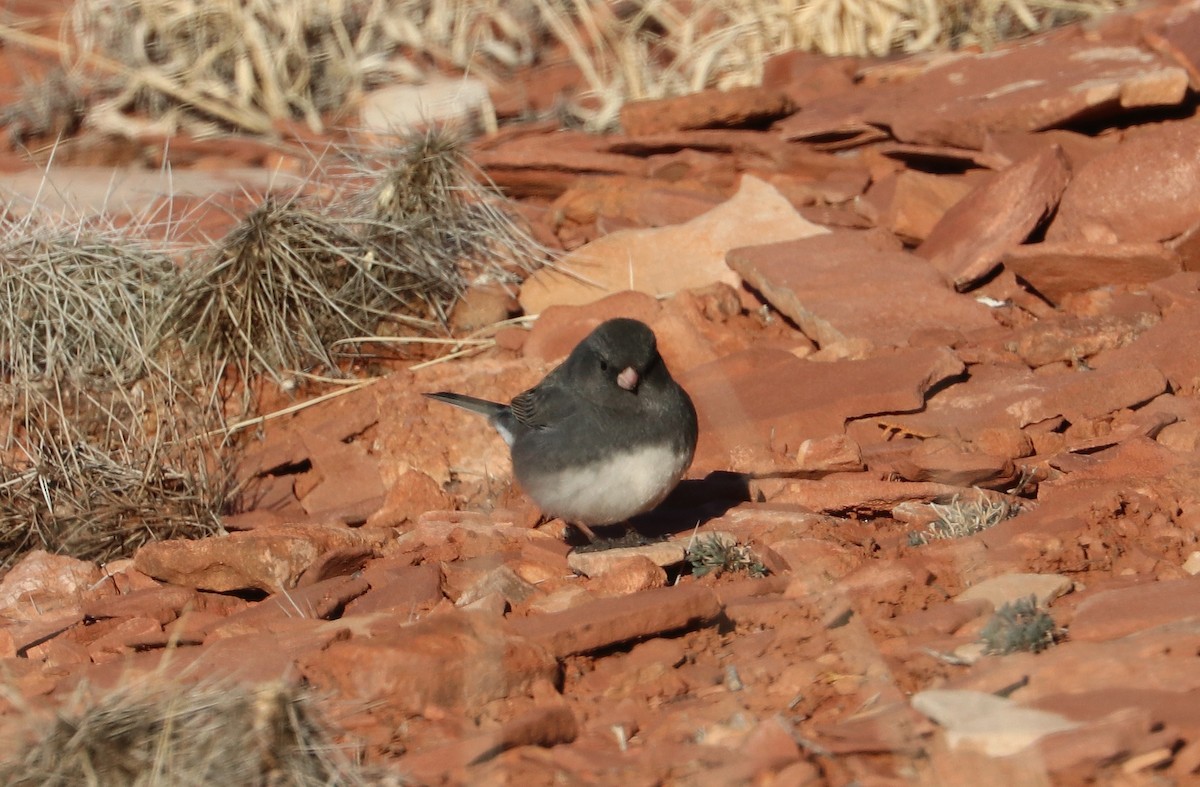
(606, 435)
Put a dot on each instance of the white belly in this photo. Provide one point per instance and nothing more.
(613, 490)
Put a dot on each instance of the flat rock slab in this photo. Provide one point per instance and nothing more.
(599, 624)
(991, 724)
(84, 191)
(750, 398)
(969, 241)
(399, 109)
(664, 260)
(1115, 613)
(594, 564)
(1009, 588)
(1161, 345)
(1147, 188)
(1056, 270)
(843, 286)
(1005, 397)
(959, 100)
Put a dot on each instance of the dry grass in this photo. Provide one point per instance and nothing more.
(431, 228)
(159, 734)
(271, 295)
(661, 49)
(400, 243)
(267, 60)
(80, 300)
(96, 455)
(275, 59)
(961, 518)
(96, 474)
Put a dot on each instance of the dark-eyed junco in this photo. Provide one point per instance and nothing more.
(605, 436)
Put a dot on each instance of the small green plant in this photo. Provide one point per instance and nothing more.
(960, 518)
(715, 553)
(1019, 626)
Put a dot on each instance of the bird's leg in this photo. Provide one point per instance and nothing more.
(587, 531)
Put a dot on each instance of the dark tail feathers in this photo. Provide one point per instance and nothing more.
(481, 406)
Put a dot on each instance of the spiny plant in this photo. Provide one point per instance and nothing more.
(715, 553)
(272, 294)
(78, 301)
(431, 228)
(960, 518)
(96, 474)
(1019, 626)
(155, 734)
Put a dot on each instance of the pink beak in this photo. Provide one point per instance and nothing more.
(628, 378)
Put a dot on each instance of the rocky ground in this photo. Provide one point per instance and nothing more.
(969, 280)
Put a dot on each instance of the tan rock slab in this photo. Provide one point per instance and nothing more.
(1057, 269)
(610, 621)
(41, 581)
(400, 109)
(971, 238)
(994, 725)
(663, 260)
(843, 285)
(594, 564)
(223, 564)
(84, 191)
(1010, 588)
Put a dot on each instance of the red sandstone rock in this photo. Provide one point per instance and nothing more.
(647, 259)
(758, 400)
(548, 726)
(1145, 189)
(973, 236)
(1024, 86)
(911, 203)
(612, 621)
(1115, 613)
(632, 575)
(453, 660)
(1057, 269)
(406, 591)
(41, 582)
(1074, 339)
(706, 109)
(843, 286)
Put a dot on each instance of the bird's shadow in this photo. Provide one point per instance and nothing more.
(691, 504)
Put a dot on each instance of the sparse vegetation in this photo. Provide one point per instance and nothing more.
(79, 301)
(1019, 626)
(183, 735)
(431, 229)
(296, 276)
(97, 474)
(715, 553)
(191, 64)
(961, 518)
